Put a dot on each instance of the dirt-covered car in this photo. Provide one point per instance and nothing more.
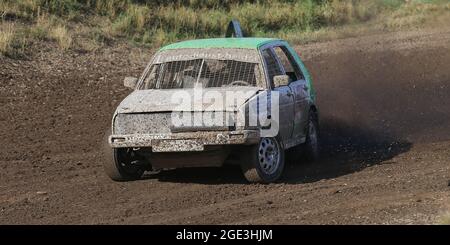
(215, 101)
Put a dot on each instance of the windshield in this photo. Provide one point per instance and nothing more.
(205, 73)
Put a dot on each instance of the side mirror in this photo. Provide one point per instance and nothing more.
(281, 80)
(130, 82)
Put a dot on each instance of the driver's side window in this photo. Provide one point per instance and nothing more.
(272, 66)
(290, 66)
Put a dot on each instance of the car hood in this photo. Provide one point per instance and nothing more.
(167, 100)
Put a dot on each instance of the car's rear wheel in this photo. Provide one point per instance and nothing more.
(312, 144)
(263, 162)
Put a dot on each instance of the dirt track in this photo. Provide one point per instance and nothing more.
(385, 106)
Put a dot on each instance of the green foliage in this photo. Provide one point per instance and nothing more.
(156, 22)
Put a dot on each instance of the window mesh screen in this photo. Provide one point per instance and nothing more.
(220, 73)
(177, 74)
(204, 73)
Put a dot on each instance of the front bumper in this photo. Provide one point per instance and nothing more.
(183, 142)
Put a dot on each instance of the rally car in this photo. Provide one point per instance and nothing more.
(210, 102)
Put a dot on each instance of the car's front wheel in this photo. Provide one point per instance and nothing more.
(263, 162)
(122, 165)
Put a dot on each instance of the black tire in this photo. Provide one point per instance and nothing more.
(118, 164)
(312, 144)
(253, 167)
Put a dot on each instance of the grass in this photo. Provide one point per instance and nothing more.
(61, 36)
(6, 38)
(92, 24)
(12, 42)
(418, 14)
(445, 219)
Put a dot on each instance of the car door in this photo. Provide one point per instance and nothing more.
(298, 86)
(286, 97)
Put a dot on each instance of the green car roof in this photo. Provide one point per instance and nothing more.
(245, 43)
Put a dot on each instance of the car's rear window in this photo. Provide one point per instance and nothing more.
(206, 73)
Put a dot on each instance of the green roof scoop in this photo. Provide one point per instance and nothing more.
(234, 29)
